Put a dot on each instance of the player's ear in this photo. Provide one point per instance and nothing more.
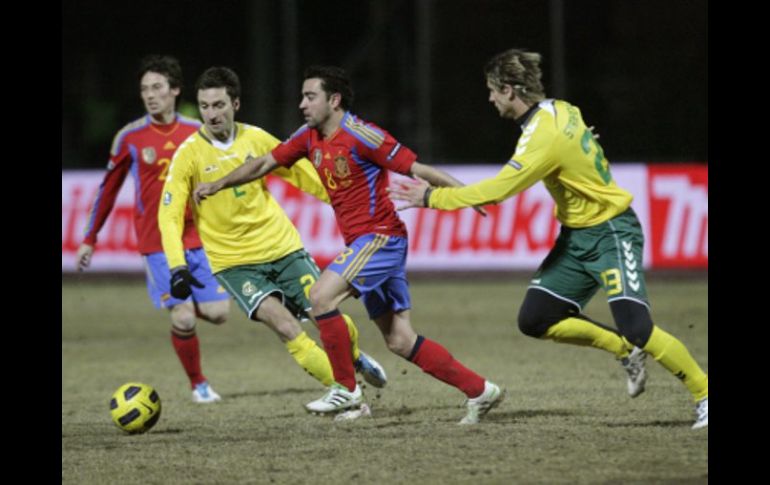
(236, 104)
(335, 99)
(509, 92)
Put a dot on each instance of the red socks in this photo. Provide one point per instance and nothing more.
(336, 340)
(185, 344)
(435, 360)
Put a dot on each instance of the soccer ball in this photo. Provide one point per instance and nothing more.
(135, 407)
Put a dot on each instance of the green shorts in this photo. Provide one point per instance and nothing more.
(607, 255)
(288, 278)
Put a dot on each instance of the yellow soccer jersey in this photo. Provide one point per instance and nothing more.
(556, 147)
(239, 225)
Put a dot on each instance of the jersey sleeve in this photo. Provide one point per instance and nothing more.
(530, 163)
(390, 154)
(305, 177)
(117, 170)
(301, 174)
(507, 183)
(291, 150)
(173, 204)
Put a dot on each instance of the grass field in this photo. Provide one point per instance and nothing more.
(567, 418)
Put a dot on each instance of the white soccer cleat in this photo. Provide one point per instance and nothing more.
(371, 370)
(337, 399)
(637, 371)
(351, 414)
(479, 406)
(203, 393)
(702, 412)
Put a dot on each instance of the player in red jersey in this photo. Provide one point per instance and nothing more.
(352, 158)
(144, 148)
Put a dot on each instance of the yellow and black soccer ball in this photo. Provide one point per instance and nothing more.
(135, 407)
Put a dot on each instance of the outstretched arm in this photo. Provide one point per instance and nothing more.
(507, 183)
(434, 177)
(252, 169)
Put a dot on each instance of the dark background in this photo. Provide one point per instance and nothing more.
(637, 69)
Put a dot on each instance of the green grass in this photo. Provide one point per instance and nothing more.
(567, 418)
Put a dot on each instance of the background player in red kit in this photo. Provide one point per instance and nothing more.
(144, 148)
(352, 158)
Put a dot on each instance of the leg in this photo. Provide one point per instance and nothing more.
(325, 296)
(257, 294)
(183, 337)
(215, 312)
(435, 360)
(185, 341)
(364, 265)
(210, 303)
(187, 347)
(566, 280)
(634, 320)
(296, 274)
(428, 355)
(302, 348)
(544, 315)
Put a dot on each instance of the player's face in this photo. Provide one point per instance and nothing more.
(217, 111)
(501, 99)
(157, 94)
(315, 106)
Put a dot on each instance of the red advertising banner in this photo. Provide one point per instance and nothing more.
(679, 201)
(671, 201)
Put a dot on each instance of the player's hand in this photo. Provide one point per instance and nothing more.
(413, 192)
(181, 279)
(595, 135)
(84, 256)
(204, 189)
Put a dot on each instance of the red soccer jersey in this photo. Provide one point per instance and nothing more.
(353, 164)
(145, 150)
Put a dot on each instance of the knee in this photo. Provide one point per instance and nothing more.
(540, 310)
(530, 324)
(320, 301)
(633, 321)
(216, 314)
(183, 317)
(400, 344)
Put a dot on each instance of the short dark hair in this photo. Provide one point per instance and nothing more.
(333, 80)
(165, 65)
(220, 77)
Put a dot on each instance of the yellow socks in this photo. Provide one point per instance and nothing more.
(353, 331)
(311, 357)
(582, 332)
(674, 356)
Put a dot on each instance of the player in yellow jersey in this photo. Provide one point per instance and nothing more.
(600, 243)
(254, 250)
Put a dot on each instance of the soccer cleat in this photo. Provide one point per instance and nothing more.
(479, 406)
(337, 399)
(372, 371)
(637, 372)
(702, 411)
(203, 393)
(351, 414)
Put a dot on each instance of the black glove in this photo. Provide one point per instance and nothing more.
(181, 280)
